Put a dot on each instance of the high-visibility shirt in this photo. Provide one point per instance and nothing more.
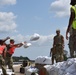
(2, 49)
(74, 21)
(11, 48)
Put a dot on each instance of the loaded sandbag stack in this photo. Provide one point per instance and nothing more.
(31, 70)
(40, 62)
(62, 68)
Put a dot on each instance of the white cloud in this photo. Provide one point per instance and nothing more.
(7, 2)
(65, 28)
(20, 38)
(44, 39)
(7, 23)
(60, 8)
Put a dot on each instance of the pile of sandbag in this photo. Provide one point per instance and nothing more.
(43, 60)
(62, 68)
(40, 61)
(29, 70)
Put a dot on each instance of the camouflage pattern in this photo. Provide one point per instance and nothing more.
(72, 43)
(71, 47)
(9, 62)
(2, 63)
(59, 53)
(58, 44)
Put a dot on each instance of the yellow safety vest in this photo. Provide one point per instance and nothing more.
(74, 21)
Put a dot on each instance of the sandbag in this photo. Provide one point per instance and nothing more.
(30, 70)
(43, 60)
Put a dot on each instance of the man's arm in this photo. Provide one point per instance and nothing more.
(6, 39)
(19, 44)
(54, 42)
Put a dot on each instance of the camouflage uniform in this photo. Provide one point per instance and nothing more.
(2, 63)
(3, 54)
(59, 53)
(9, 61)
(59, 48)
(72, 43)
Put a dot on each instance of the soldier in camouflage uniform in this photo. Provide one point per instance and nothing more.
(10, 51)
(58, 44)
(2, 54)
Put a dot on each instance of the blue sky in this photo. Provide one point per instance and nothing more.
(20, 19)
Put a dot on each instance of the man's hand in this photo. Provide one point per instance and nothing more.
(67, 35)
(24, 42)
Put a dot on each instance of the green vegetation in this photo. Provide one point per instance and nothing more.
(19, 59)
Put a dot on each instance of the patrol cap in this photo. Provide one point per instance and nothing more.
(12, 40)
(58, 30)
